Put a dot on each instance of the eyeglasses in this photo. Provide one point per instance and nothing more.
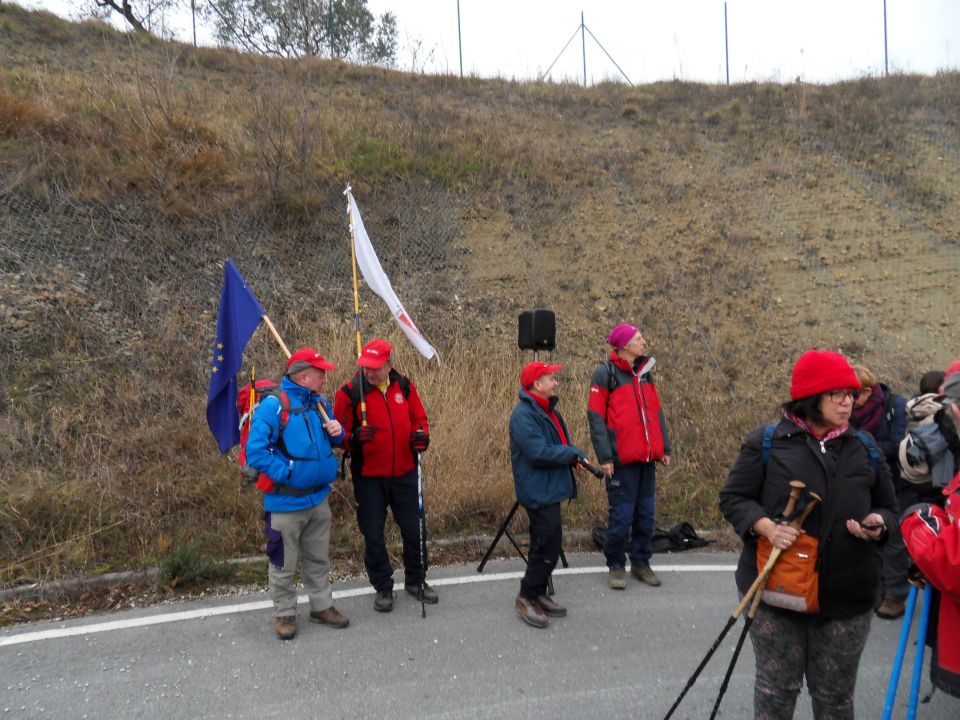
(839, 396)
(862, 392)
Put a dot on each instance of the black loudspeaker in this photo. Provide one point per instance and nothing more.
(537, 330)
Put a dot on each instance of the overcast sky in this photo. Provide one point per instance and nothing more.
(651, 40)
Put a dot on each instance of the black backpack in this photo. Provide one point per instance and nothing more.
(681, 536)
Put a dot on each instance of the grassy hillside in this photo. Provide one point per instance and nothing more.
(738, 226)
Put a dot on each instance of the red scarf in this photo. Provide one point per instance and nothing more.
(544, 404)
(869, 416)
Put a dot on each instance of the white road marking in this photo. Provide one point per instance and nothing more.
(62, 632)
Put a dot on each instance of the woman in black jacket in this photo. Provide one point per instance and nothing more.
(814, 443)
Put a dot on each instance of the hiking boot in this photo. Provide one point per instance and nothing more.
(890, 609)
(285, 627)
(331, 617)
(645, 574)
(383, 602)
(550, 608)
(617, 578)
(530, 612)
(429, 594)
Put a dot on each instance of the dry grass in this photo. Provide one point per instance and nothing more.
(738, 225)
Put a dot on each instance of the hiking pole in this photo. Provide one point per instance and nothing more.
(422, 524)
(921, 645)
(795, 487)
(748, 620)
(894, 682)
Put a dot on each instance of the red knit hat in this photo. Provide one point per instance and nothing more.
(819, 371)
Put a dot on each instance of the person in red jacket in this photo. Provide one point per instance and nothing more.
(384, 467)
(629, 435)
(932, 537)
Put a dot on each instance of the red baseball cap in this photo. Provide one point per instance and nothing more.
(307, 357)
(533, 371)
(375, 354)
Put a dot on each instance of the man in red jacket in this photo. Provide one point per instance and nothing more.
(384, 467)
(932, 537)
(629, 435)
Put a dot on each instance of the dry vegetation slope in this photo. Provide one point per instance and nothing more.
(737, 225)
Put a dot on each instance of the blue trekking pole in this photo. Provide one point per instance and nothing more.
(901, 650)
(918, 660)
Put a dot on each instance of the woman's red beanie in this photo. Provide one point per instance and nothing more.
(819, 371)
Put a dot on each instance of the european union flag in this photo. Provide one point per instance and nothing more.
(239, 315)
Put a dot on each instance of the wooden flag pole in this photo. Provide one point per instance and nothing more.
(356, 305)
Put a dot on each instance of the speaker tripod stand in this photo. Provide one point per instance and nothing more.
(504, 529)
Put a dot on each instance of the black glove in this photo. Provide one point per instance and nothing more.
(419, 441)
(250, 474)
(362, 435)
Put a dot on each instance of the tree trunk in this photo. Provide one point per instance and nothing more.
(127, 12)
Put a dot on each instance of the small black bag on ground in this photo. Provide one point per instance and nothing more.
(681, 536)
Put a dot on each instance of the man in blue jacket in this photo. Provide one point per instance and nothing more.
(291, 443)
(543, 459)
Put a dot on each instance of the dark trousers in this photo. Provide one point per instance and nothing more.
(790, 647)
(546, 542)
(374, 495)
(630, 493)
(893, 554)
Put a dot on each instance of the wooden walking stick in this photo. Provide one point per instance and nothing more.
(795, 488)
(748, 620)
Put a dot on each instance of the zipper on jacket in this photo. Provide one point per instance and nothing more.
(641, 406)
(823, 448)
(393, 444)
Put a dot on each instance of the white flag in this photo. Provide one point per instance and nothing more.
(378, 281)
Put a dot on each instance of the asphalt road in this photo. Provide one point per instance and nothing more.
(619, 654)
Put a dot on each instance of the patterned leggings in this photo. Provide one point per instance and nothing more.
(789, 646)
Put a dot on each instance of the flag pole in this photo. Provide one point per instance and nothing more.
(356, 304)
(283, 346)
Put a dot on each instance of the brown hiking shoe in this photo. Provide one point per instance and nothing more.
(617, 578)
(285, 627)
(644, 573)
(890, 609)
(550, 608)
(331, 617)
(530, 612)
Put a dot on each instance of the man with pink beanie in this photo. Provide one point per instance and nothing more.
(629, 435)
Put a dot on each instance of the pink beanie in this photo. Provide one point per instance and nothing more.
(621, 335)
(819, 371)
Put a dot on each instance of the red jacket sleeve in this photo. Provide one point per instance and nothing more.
(418, 416)
(934, 544)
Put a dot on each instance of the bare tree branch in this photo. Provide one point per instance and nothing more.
(126, 10)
